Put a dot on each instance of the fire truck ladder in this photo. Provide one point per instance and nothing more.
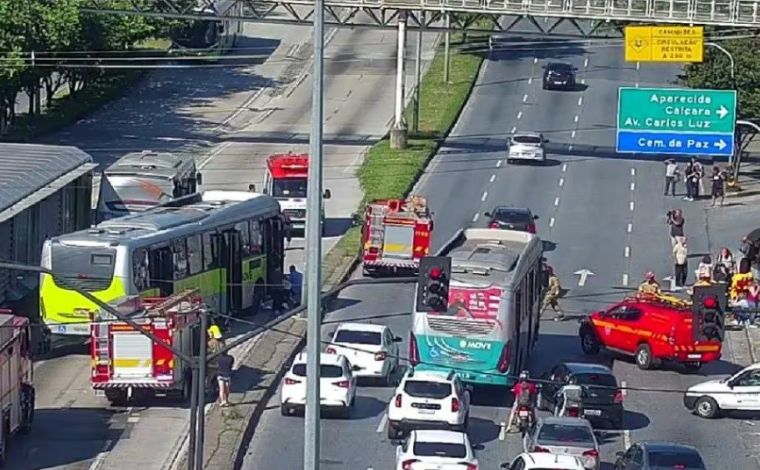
(376, 229)
(102, 350)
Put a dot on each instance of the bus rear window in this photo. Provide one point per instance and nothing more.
(90, 269)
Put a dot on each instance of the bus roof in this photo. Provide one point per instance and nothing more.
(193, 214)
(491, 256)
(288, 165)
(149, 163)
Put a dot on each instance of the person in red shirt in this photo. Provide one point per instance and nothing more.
(525, 394)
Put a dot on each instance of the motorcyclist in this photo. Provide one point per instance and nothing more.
(525, 394)
(569, 396)
(650, 285)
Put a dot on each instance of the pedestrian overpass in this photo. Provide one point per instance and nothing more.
(591, 17)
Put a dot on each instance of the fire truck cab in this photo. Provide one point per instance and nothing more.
(126, 363)
(395, 235)
(17, 394)
(286, 180)
(651, 328)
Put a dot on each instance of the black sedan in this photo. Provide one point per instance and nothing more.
(559, 76)
(512, 218)
(659, 455)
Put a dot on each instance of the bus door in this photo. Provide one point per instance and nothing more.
(274, 247)
(234, 265)
(161, 266)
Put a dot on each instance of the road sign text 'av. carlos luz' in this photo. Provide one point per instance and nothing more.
(676, 121)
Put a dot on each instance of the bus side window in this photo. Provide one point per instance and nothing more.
(257, 238)
(209, 252)
(530, 284)
(194, 254)
(140, 270)
(245, 239)
(179, 252)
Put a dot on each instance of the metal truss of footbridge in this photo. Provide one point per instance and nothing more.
(590, 17)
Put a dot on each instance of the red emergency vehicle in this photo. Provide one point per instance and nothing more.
(396, 234)
(285, 180)
(16, 390)
(651, 328)
(127, 363)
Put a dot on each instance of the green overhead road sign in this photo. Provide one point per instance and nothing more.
(677, 110)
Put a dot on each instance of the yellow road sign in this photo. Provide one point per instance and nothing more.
(664, 43)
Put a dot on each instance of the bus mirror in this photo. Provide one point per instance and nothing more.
(252, 188)
(199, 178)
(327, 194)
(265, 191)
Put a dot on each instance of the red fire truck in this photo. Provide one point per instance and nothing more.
(16, 389)
(395, 235)
(285, 180)
(126, 363)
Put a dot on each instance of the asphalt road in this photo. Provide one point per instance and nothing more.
(598, 211)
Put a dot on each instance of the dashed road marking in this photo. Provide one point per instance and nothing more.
(580, 101)
(498, 163)
(556, 201)
(493, 178)
(564, 167)
(626, 432)
(535, 60)
(530, 80)
(575, 119)
(633, 186)
(561, 182)
(637, 84)
(628, 252)
(513, 130)
(475, 217)
(569, 148)
(638, 65)
(484, 196)
(519, 114)
(625, 280)
(383, 422)
(631, 205)
(525, 98)
(585, 62)
(633, 171)
(583, 81)
(572, 134)
(630, 227)
(551, 222)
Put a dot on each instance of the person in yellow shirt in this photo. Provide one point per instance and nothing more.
(650, 285)
(214, 336)
(553, 291)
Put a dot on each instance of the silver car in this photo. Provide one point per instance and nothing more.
(526, 146)
(564, 436)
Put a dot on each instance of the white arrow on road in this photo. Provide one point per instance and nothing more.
(584, 274)
(721, 144)
(722, 112)
(672, 280)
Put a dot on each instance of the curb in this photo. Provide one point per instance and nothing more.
(742, 193)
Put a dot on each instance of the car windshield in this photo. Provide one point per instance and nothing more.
(526, 139)
(326, 372)
(560, 68)
(289, 187)
(421, 389)
(511, 216)
(566, 433)
(358, 337)
(600, 380)
(440, 449)
(662, 460)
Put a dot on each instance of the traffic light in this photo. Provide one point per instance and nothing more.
(708, 310)
(433, 284)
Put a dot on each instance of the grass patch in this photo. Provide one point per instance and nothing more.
(387, 173)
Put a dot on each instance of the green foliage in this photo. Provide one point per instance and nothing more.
(715, 73)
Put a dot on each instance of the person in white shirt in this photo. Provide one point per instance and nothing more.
(671, 176)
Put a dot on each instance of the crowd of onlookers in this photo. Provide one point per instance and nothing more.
(693, 177)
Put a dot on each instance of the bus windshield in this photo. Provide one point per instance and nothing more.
(289, 187)
(90, 269)
(134, 193)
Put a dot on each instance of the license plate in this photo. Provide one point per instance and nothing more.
(523, 413)
(593, 412)
(694, 356)
(427, 412)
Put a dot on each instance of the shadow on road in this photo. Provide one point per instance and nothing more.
(482, 431)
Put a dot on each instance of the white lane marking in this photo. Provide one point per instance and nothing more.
(493, 178)
(624, 390)
(638, 65)
(519, 115)
(564, 168)
(637, 84)
(625, 283)
(383, 422)
(633, 171)
(213, 154)
(101, 457)
(631, 205)
(633, 186)
(484, 196)
(626, 432)
(556, 201)
(580, 101)
(535, 60)
(583, 81)
(525, 97)
(551, 222)
(572, 135)
(561, 182)
(475, 217)
(585, 62)
(569, 148)
(575, 119)
(530, 80)
(498, 163)
(628, 252)
(502, 431)
(513, 130)
(630, 227)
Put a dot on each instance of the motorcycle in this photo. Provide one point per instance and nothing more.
(525, 418)
(570, 402)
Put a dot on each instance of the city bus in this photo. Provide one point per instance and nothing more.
(491, 324)
(227, 244)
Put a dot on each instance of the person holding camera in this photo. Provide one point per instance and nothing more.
(718, 185)
(676, 222)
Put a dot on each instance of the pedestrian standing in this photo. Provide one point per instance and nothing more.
(700, 188)
(705, 268)
(224, 364)
(726, 258)
(691, 180)
(718, 189)
(680, 261)
(296, 286)
(676, 221)
(671, 176)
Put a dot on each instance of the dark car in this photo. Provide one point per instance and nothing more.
(659, 456)
(602, 399)
(559, 76)
(512, 218)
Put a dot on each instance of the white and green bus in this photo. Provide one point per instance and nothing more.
(227, 244)
(491, 324)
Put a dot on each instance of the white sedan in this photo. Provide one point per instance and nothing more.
(424, 450)
(337, 385)
(371, 349)
(526, 146)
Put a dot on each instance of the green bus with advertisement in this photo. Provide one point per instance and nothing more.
(228, 244)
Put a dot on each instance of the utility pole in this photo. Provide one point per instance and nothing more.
(200, 385)
(446, 46)
(314, 251)
(418, 75)
(398, 132)
(192, 443)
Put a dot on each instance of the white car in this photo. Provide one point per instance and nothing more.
(544, 461)
(526, 146)
(373, 349)
(337, 385)
(436, 450)
(740, 392)
(427, 399)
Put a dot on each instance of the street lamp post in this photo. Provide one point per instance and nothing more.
(730, 59)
